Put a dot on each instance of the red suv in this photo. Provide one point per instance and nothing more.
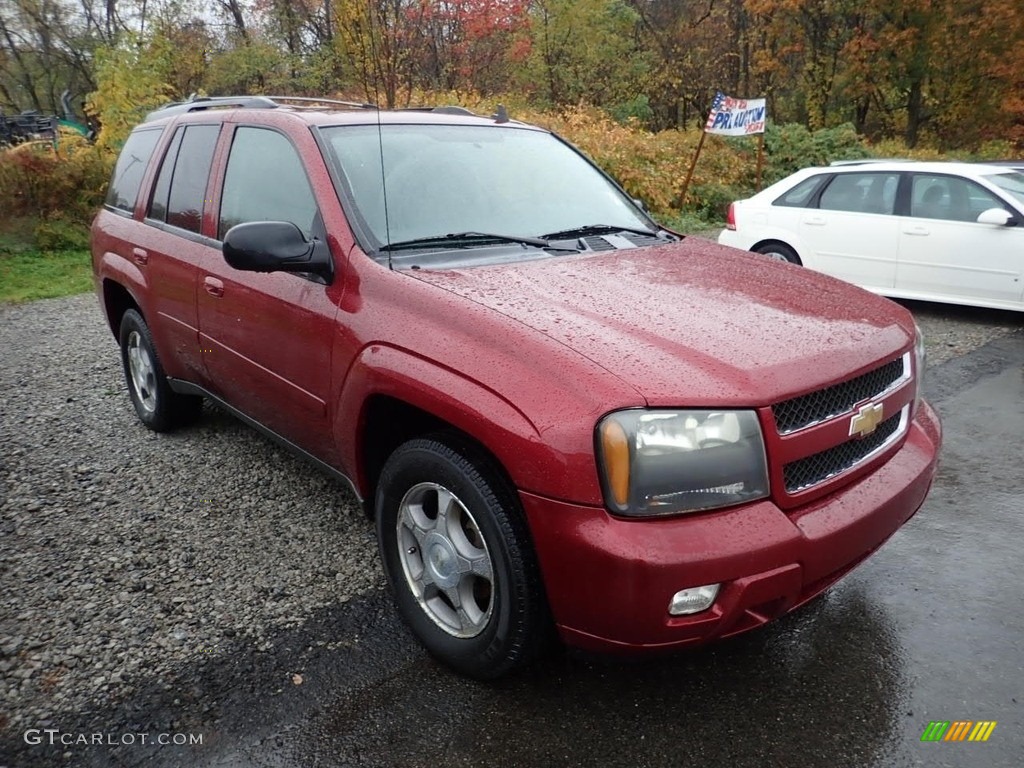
(558, 412)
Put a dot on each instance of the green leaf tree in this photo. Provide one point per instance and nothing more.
(131, 79)
(585, 51)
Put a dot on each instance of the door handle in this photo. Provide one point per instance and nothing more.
(815, 221)
(213, 286)
(140, 255)
(918, 231)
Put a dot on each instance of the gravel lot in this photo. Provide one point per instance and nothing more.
(127, 556)
(951, 331)
(124, 553)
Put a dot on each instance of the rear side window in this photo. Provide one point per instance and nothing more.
(861, 193)
(800, 195)
(162, 188)
(265, 181)
(180, 188)
(130, 168)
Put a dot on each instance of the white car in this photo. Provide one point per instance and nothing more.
(950, 232)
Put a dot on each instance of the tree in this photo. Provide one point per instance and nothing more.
(586, 50)
(131, 79)
(801, 56)
(46, 49)
(941, 72)
(472, 45)
(378, 41)
(1003, 69)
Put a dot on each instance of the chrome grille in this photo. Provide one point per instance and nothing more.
(819, 467)
(803, 411)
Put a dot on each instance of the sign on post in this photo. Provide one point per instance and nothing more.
(736, 117)
(733, 117)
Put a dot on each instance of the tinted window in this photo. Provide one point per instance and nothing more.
(800, 195)
(950, 198)
(861, 193)
(162, 188)
(131, 165)
(265, 181)
(191, 172)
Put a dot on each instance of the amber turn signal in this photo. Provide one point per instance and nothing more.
(615, 452)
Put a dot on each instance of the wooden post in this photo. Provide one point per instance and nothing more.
(689, 174)
(760, 158)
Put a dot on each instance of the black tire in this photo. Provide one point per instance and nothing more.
(484, 517)
(779, 252)
(158, 406)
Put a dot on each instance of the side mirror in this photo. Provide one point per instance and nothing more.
(640, 204)
(996, 216)
(275, 246)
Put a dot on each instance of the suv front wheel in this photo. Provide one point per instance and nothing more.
(158, 406)
(458, 557)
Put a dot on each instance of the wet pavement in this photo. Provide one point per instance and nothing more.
(930, 628)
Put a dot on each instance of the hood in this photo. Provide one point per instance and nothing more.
(694, 323)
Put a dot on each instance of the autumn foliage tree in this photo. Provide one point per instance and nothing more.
(940, 70)
(942, 73)
(473, 45)
(132, 79)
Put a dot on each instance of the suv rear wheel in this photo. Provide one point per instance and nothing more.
(158, 406)
(458, 557)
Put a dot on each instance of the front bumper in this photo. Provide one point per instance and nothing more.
(609, 580)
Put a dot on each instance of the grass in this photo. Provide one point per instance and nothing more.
(28, 272)
(26, 275)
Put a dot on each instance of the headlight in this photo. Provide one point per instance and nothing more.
(664, 462)
(920, 360)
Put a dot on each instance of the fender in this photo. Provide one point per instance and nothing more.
(115, 268)
(467, 405)
(109, 231)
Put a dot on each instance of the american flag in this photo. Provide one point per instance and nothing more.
(715, 106)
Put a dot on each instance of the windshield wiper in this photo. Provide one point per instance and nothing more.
(597, 229)
(464, 239)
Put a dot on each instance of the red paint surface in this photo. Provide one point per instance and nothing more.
(526, 358)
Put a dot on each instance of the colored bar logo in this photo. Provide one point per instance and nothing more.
(958, 730)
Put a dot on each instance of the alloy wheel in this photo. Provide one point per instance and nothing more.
(445, 560)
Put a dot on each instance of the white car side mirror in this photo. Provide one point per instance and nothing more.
(996, 216)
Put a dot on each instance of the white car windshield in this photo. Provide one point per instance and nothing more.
(1011, 182)
(446, 179)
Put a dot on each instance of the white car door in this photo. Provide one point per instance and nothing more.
(945, 254)
(853, 234)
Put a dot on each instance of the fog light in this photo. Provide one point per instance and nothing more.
(693, 600)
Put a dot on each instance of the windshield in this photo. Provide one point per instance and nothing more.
(1010, 182)
(444, 179)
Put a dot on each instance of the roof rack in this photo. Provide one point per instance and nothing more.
(871, 161)
(199, 103)
(313, 101)
(500, 116)
(451, 110)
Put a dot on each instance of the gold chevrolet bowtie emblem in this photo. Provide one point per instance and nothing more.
(866, 420)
